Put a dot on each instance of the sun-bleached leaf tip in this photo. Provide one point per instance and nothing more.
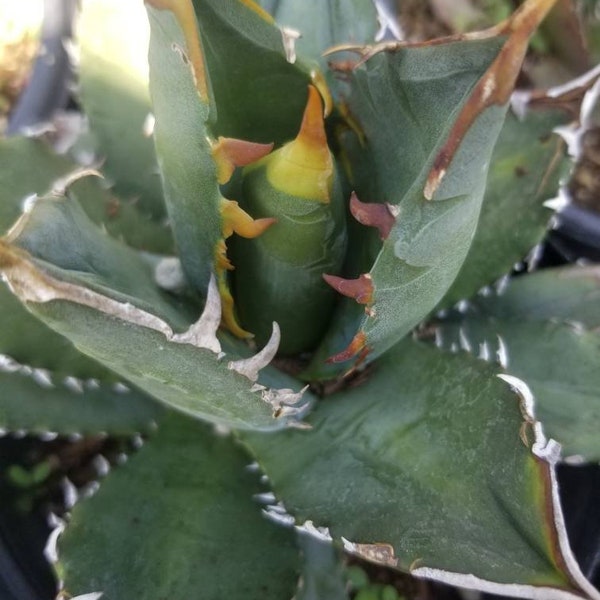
(249, 367)
(203, 333)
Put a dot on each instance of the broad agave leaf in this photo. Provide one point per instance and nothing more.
(193, 161)
(535, 338)
(434, 466)
(47, 384)
(178, 520)
(449, 99)
(104, 298)
(527, 166)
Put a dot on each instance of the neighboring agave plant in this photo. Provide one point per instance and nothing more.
(329, 228)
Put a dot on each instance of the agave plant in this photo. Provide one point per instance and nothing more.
(298, 293)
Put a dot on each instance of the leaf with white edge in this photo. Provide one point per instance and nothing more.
(113, 87)
(435, 466)
(189, 528)
(557, 357)
(36, 401)
(527, 165)
(102, 296)
(570, 293)
(448, 102)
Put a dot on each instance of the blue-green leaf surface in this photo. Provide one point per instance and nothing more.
(178, 520)
(544, 330)
(103, 297)
(432, 465)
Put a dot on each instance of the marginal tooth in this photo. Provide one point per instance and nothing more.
(230, 153)
(249, 367)
(168, 274)
(294, 399)
(285, 402)
(319, 81)
(464, 342)
(289, 37)
(462, 306)
(73, 384)
(287, 411)
(236, 219)
(502, 353)
(62, 185)
(203, 333)
(373, 214)
(265, 498)
(484, 351)
(356, 346)
(257, 388)
(300, 425)
(360, 289)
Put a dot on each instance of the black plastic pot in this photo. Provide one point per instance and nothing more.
(52, 74)
(577, 234)
(24, 571)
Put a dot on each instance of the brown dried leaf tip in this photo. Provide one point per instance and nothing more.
(496, 85)
(373, 214)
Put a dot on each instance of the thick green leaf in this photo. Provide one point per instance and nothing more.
(430, 115)
(102, 296)
(559, 362)
(530, 329)
(260, 95)
(182, 142)
(178, 521)
(113, 79)
(527, 165)
(406, 102)
(37, 402)
(430, 467)
(323, 25)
